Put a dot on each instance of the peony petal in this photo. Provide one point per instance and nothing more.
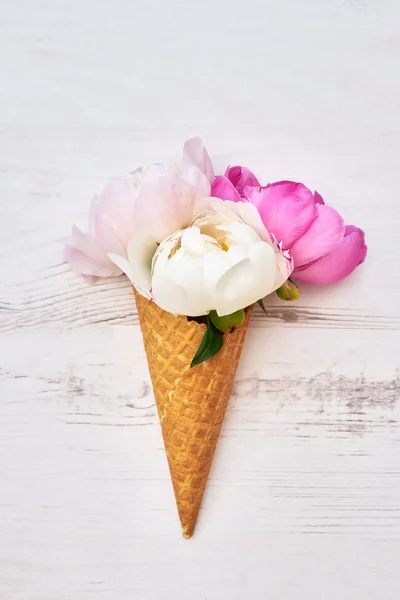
(236, 253)
(323, 235)
(187, 272)
(172, 297)
(194, 153)
(287, 209)
(318, 199)
(165, 204)
(241, 177)
(137, 267)
(250, 215)
(85, 257)
(122, 263)
(105, 232)
(349, 229)
(184, 268)
(215, 264)
(284, 268)
(86, 244)
(112, 213)
(194, 178)
(222, 188)
(85, 265)
(247, 281)
(141, 250)
(118, 196)
(290, 186)
(339, 263)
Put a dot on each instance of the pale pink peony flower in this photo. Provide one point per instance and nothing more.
(139, 211)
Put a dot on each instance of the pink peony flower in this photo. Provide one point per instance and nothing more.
(139, 212)
(324, 250)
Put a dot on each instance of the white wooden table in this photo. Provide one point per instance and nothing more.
(304, 497)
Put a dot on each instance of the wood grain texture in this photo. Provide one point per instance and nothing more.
(304, 496)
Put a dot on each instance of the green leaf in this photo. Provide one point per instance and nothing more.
(211, 343)
(261, 304)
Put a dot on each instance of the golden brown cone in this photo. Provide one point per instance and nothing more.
(191, 402)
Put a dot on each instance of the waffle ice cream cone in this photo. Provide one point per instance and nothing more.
(191, 402)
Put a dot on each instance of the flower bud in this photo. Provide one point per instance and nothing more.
(227, 322)
(288, 291)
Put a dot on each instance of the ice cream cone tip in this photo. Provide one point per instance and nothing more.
(187, 534)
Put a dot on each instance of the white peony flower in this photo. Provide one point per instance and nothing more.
(224, 260)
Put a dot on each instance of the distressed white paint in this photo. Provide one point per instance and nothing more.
(304, 497)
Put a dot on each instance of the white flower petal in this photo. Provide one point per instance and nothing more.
(215, 264)
(243, 234)
(250, 215)
(173, 298)
(224, 208)
(137, 266)
(247, 281)
(140, 251)
(126, 268)
(187, 272)
(193, 242)
(237, 253)
(123, 264)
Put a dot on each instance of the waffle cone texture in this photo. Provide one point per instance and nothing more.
(191, 402)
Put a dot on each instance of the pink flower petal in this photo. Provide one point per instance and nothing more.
(287, 185)
(323, 235)
(85, 265)
(106, 234)
(86, 257)
(86, 244)
(117, 198)
(192, 176)
(165, 203)
(286, 208)
(349, 229)
(195, 154)
(318, 199)
(241, 177)
(339, 263)
(112, 214)
(222, 188)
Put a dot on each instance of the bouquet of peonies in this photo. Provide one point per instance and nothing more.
(200, 250)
